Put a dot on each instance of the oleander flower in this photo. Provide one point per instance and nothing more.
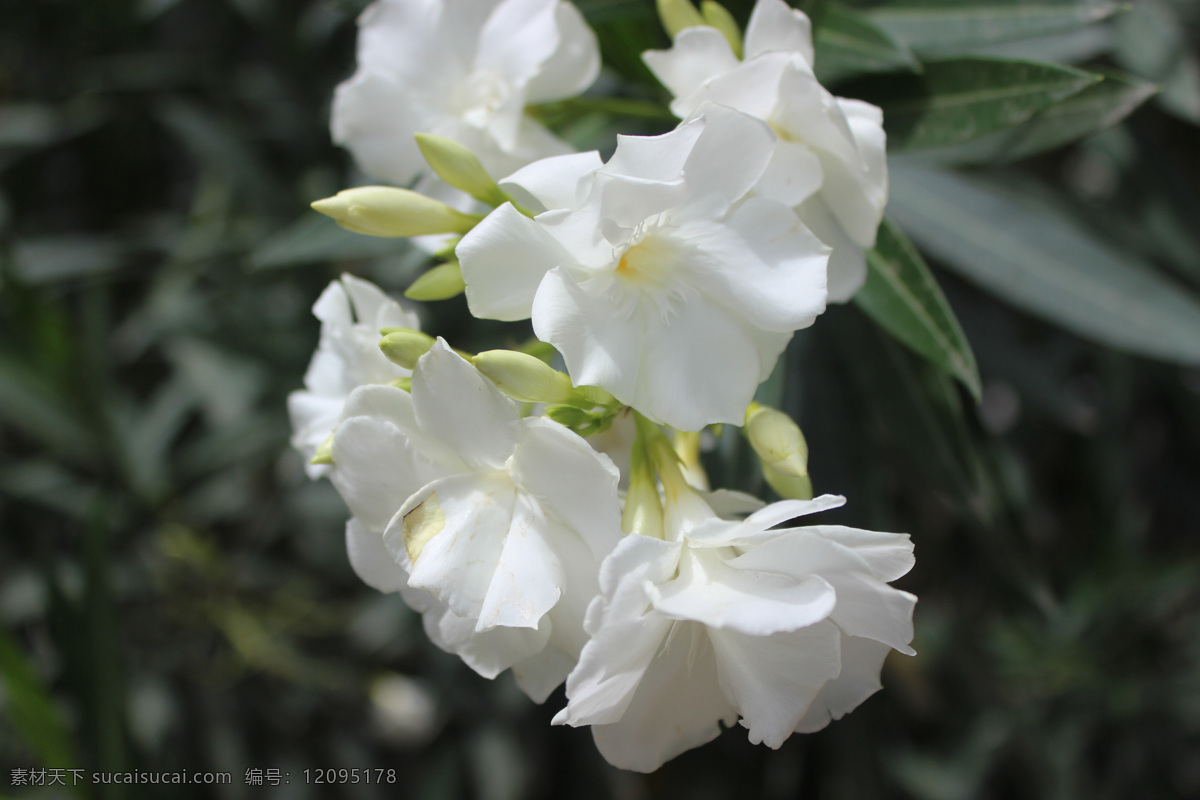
(829, 159)
(492, 524)
(658, 276)
(351, 311)
(461, 69)
(784, 628)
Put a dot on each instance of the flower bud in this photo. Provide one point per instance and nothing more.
(719, 17)
(525, 378)
(781, 447)
(324, 453)
(677, 15)
(440, 283)
(387, 211)
(403, 346)
(643, 512)
(458, 166)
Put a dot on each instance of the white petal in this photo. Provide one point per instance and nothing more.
(890, 555)
(553, 182)
(866, 606)
(458, 563)
(655, 158)
(862, 660)
(754, 602)
(489, 653)
(793, 175)
(371, 560)
(528, 577)
(373, 116)
(571, 481)
(754, 529)
(626, 632)
(678, 706)
(697, 55)
(600, 349)
(774, 679)
(504, 259)
(517, 38)
(377, 467)
(762, 264)
(848, 261)
(540, 674)
(333, 306)
(572, 67)
(463, 410)
(395, 36)
(730, 154)
(774, 26)
(751, 87)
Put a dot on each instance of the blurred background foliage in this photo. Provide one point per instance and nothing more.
(174, 593)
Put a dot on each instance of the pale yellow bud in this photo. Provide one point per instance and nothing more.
(677, 15)
(525, 378)
(643, 514)
(440, 283)
(403, 346)
(458, 166)
(781, 447)
(324, 454)
(719, 17)
(387, 211)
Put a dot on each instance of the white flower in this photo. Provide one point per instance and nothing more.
(492, 525)
(785, 628)
(830, 158)
(655, 275)
(463, 69)
(351, 311)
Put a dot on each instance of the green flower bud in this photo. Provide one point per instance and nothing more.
(719, 17)
(458, 166)
(387, 211)
(403, 346)
(782, 449)
(643, 512)
(525, 378)
(677, 15)
(440, 283)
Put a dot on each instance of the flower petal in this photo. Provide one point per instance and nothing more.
(504, 259)
(371, 560)
(517, 38)
(571, 481)
(678, 705)
(697, 54)
(573, 66)
(848, 261)
(489, 653)
(463, 410)
(890, 555)
(775, 26)
(862, 660)
(754, 602)
(774, 679)
(550, 183)
(374, 117)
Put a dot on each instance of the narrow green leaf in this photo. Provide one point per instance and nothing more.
(29, 705)
(932, 27)
(1097, 107)
(959, 100)
(903, 298)
(848, 44)
(1029, 253)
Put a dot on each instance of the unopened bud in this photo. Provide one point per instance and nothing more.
(440, 283)
(782, 449)
(403, 346)
(643, 513)
(458, 166)
(525, 378)
(719, 17)
(387, 211)
(677, 15)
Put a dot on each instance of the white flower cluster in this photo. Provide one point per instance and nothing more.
(669, 279)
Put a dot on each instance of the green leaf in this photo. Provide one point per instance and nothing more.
(1097, 107)
(1029, 253)
(848, 44)
(903, 298)
(932, 27)
(32, 711)
(959, 100)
